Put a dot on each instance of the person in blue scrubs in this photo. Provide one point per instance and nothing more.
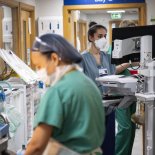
(97, 63)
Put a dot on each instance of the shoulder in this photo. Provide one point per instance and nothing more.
(50, 91)
(84, 53)
(105, 55)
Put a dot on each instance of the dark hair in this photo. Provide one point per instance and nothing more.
(93, 27)
(92, 24)
(54, 43)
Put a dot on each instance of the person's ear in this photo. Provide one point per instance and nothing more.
(55, 59)
(91, 38)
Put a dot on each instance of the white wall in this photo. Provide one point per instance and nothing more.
(83, 16)
(49, 8)
(150, 10)
(54, 8)
(104, 19)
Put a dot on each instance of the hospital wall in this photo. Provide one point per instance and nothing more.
(150, 11)
(54, 8)
(49, 8)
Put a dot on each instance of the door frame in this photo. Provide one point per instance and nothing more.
(80, 21)
(31, 9)
(110, 28)
(10, 3)
(1, 29)
(68, 8)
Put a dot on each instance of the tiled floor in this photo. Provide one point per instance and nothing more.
(137, 148)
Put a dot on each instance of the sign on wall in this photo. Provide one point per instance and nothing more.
(116, 15)
(87, 2)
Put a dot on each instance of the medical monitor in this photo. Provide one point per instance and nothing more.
(126, 43)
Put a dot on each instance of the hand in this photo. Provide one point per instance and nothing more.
(39, 140)
(135, 63)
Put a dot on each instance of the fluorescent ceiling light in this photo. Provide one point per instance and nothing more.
(116, 11)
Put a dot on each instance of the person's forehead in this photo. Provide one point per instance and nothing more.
(101, 31)
(37, 57)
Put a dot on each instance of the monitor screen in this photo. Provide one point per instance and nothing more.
(129, 41)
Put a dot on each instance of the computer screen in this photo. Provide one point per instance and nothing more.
(129, 38)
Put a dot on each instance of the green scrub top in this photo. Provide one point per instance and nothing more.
(73, 106)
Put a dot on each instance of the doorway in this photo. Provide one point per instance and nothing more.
(67, 13)
(115, 24)
(82, 18)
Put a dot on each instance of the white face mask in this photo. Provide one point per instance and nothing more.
(101, 43)
(43, 76)
(54, 77)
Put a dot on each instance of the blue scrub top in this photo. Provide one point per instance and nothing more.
(91, 68)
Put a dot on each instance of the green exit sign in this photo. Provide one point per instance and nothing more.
(116, 15)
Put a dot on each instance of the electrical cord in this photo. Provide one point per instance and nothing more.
(9, 75)
(3, 72)
(5, 69)
(134, 68)
(4, 75)
(130, 62)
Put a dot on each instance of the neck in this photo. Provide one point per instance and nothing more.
(94, 50)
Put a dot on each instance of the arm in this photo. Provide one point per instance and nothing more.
(120, 68)
(39, 140)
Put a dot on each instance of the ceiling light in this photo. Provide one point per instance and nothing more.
(116, 11)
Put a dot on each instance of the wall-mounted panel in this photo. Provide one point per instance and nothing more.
(52, 24)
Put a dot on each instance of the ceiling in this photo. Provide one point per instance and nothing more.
(127, 11)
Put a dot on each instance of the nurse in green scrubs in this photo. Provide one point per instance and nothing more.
(126, 128)
(71, 110)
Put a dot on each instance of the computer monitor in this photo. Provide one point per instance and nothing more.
(130, 39)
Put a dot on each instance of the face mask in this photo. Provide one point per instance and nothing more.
(59, 72)
(101, 43)
(43, 76)
(57, 75)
